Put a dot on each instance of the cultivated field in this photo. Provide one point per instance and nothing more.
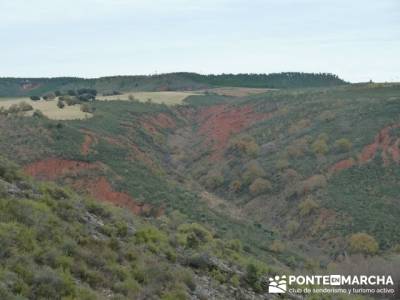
(168, 98)
(48, 108)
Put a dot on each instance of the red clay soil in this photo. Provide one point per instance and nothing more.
(342, 165)
(87, 143)
(218, 123)
(164, 121)
(52, 168)
(161, 120)
(99, 188)
(394, 150)
(384, 142)
(102, 190)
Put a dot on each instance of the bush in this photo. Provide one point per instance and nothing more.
(260, 186)
(150, 235)
(86, 108)
(277, 246)
(193, 235)
(245, 146)
(363, 243)
(252, 171)
(38, 114)
(8, 170)
(235, 186)
(49, 96)
(313, 183)
(69, 100)
(299, 126)
(213, 180)
(298, 148)
(292, 227)
(23, 106)
(342, 145)
(60, 104)
(35, 98)
(307, 206)
(282, 164)
(253, 277)
(320, 147)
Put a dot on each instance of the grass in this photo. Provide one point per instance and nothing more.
(168, 98)
(48, 108)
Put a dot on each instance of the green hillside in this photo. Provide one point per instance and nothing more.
(303, 179)
(164, 82)
(58, 245)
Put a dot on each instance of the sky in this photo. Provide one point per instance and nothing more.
(359, 40)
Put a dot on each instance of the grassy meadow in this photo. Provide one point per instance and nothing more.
(48, 108)
(168, 97)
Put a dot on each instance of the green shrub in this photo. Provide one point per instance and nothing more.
(246, 145)
(307, 206)
(213, 180)
(342, 145)
(193, 235)
(363, 243)
(253, 170)
(60, 104)
(320, 147)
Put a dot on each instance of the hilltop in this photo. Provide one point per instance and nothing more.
(16, 87)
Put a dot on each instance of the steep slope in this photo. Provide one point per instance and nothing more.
(58, 245)
(300, 161)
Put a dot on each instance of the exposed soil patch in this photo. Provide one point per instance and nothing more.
(164, 121)
(218, 123)
(53, 168)
(388, 145)
(384, 142)
(99, 188)
(161, 120)
(342, 165)
(102, 190)
(29, 86)
(88, 142)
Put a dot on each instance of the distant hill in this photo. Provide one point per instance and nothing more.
(164, 82)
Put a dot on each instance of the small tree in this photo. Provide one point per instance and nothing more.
(35, 98)
(60, 104)
(363, 243)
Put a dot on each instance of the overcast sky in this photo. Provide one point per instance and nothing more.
(356, 39)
